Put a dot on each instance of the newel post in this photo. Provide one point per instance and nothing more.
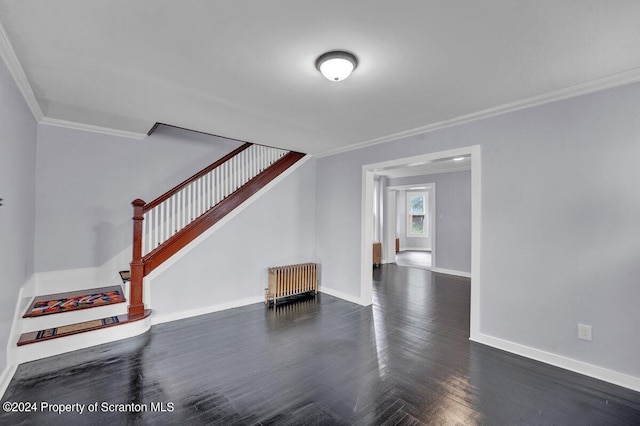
(136, 307)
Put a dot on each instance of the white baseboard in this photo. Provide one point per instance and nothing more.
(5, 378)
(415, 249)
(600, 373)
(341, 295)
(451, 272)
(159, 318)
(25, 295)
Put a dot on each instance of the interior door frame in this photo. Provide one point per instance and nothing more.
(366, 220)
(392, 214)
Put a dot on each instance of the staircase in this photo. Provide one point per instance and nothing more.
(57, 323)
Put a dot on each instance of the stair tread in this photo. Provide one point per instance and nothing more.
(70, 305)
(81, 327)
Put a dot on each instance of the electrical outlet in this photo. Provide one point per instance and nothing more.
(584, 332)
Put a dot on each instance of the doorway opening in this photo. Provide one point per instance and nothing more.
(442, 161)
(410, 223)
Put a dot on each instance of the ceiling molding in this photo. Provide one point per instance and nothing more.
(91, 128)
(10, 59)
(592, 86)
(15, 69)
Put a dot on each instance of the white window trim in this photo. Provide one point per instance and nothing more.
(427, 214)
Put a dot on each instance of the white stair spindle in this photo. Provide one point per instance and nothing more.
(227, 181)
(199, 198)
(209, 187)
(161, 223)
(216, 186)
(173, 214)
(155, 228)
(189, 204)
(234, 174)
(179, 210)
(145, 233)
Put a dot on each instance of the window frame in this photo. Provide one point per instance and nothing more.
(409, 216)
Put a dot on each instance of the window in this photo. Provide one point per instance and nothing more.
(417, 225)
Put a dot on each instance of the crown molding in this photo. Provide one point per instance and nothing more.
(592, 86)
(10, 59)
(91, 128)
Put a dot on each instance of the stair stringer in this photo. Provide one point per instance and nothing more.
(149, 286)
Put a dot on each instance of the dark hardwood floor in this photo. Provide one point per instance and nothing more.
(407, 360)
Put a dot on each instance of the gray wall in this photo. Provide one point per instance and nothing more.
(86, 182)
(453, 217)
(278, 229)
(559, 229)
(18, 135)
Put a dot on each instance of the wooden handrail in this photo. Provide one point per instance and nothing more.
(190, 232)
(195, 177)
(141, 265)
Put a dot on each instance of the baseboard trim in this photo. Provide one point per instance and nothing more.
(600, 373)
(451, 272)
(5, 378)
(341, 295)
(158, 318)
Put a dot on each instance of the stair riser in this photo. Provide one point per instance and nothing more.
(71, 317)
(47, 348)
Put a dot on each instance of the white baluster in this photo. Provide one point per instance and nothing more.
(173, 214)
(177, 213)
(242, 168)
(145, 229)
(234, 174)
(192, 202)
(216, 185)
(209, 177)
(245, 168)
(183, 207)
(161, 223)
(227, 181)
(256, 164)
(251, 164)
(202, 195)
(154, 229)
(168, 219)
(198, 198)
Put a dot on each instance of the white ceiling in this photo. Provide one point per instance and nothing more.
(245, 69)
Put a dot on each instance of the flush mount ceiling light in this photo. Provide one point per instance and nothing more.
(336, 65)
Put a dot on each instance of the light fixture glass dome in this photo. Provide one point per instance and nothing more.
(337, 65)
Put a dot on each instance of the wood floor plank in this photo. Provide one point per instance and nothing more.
(405, 360)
